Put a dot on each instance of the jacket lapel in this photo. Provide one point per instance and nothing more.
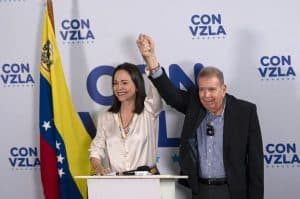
(228, 125)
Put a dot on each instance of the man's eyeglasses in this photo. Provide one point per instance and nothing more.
(210, 131)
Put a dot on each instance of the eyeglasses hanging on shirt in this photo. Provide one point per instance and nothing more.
(210, 131)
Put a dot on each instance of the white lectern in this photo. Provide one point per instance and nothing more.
(131, 187)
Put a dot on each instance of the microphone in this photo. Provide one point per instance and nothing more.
(210, 131)
(133, 172)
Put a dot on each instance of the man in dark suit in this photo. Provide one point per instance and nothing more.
(221, 145)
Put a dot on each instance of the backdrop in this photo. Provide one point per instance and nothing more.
(256, 43)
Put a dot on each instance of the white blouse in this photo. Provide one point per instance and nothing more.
(139, 147)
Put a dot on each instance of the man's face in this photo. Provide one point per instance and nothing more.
(211, 93)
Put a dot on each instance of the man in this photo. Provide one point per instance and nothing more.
(221, 145)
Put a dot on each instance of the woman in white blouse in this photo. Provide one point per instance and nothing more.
(127, 133)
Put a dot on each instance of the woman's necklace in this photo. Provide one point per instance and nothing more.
(125, 128)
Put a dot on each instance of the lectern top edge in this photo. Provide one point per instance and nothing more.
(134, 177)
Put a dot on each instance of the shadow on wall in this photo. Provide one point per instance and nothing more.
(78, 66)
(245, 65)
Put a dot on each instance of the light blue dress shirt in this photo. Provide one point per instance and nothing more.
(210, 148)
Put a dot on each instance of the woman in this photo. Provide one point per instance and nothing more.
(127, 132)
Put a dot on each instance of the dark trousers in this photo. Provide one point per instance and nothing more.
(213, 192)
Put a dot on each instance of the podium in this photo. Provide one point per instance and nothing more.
(131, 187)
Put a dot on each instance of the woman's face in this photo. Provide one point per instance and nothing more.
(123, 86)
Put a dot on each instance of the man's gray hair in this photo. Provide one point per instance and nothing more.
(211, 71)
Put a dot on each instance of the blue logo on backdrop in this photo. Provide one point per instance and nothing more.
(76, 31)
(207, 26)
(24, 158)
(178, 78)
(276, 68)
(281, 155)
(16, 75)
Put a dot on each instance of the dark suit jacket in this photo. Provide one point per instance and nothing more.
(242, 141)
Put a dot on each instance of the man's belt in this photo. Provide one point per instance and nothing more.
(213, 181)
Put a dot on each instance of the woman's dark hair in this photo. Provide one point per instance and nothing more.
(138, 80)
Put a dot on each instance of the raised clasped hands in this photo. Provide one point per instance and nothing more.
(146, 47)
